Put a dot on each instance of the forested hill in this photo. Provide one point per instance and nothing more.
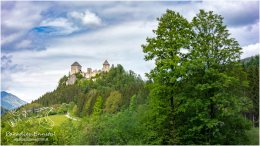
(251, 68)
(115, 87)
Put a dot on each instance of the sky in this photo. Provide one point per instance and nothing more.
(40, 40)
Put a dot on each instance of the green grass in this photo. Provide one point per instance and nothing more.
(58, 119)
(253, 136)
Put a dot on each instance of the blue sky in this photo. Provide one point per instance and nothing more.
(40, 40)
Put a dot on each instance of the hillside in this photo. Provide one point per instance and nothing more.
(85, 92)
(107, 96)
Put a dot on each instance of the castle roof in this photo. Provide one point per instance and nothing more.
(106, 63)
(76, 64)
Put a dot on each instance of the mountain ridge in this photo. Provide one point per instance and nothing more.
(10, 101)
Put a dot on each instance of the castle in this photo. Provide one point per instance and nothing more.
(76, 68)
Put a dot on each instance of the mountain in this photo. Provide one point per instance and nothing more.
(3, 110)
(10, 101)
(252, 59)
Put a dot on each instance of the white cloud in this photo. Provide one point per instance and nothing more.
(10, 38)
(241, 17)
(24, 15)
(250, 50)
(245, 35)
(64, 25)
(86, 17)
(236, 13)
(29, 85)
(5, 76)
(58, 22)
(20, 18)
(24, 44)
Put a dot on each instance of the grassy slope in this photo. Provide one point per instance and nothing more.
(59, 119)
(253, 135)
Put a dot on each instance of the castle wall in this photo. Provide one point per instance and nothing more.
(71, 80)
(90, 73)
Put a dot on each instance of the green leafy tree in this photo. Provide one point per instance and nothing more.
(173, 34)
(75, 110)
(97, 110)
(62, 81)
(90, 101)
(81, 100)
(79, 76)
(197, 81)
(71, 106)
(114, 101)
(133, 103)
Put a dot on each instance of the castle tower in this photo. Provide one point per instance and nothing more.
(89, 70)
(75, 68)
(106, 66)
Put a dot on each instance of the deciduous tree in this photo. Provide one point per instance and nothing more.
(197, 81)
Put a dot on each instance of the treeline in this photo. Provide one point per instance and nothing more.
(251, 67)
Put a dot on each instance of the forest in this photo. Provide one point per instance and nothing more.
(199, 92)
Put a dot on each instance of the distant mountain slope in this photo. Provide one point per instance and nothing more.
(3, 110)
(251, 58)
(10, 101)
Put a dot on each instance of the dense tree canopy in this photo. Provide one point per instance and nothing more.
(251, 67)
(197, 80)
(115, 87)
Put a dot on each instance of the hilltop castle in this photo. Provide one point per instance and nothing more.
(76, 68)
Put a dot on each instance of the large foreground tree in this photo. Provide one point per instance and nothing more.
(197, 81)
